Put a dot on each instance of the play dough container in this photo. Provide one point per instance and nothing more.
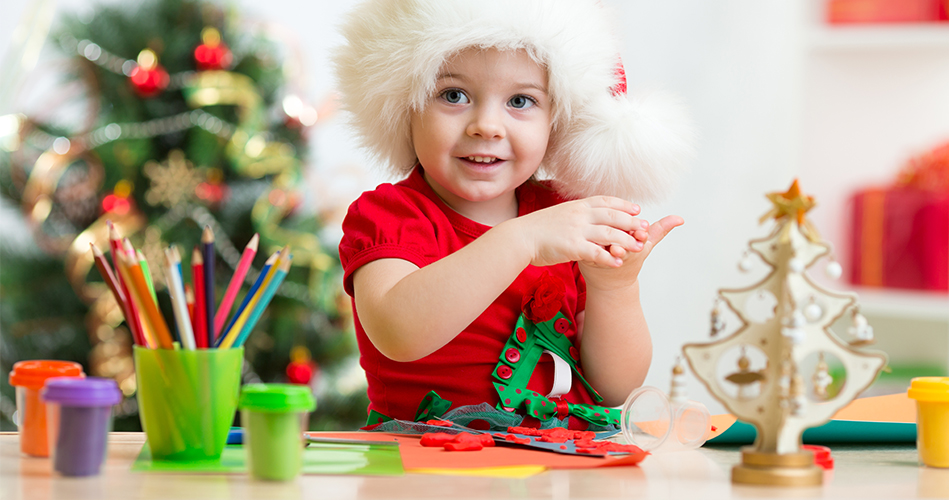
(273, 417)
(187, 400)
(28, 378)
(78, 421)
(932, 419)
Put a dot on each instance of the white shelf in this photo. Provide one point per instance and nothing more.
(904, 304)
(879, 37)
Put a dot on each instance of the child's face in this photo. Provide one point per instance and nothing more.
(485, 130)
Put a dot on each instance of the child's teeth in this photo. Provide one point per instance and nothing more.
(482, 159)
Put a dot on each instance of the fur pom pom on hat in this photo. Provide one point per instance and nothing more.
(602, 141)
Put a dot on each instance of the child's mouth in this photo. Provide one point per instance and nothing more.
(483, 160)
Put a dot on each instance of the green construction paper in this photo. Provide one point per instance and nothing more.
(362, 460)
(835, 431)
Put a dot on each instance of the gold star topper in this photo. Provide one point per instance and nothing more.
(788, 203)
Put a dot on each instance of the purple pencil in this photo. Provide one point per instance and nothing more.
(207, 252)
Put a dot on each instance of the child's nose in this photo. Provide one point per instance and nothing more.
(487, 123)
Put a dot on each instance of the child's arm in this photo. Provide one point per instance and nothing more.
(410, 312)
(616, 348)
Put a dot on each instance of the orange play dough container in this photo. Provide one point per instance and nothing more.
(28, 378)
(932, 419)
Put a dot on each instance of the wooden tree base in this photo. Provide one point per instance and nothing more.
(772, 469)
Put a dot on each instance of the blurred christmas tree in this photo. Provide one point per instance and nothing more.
(184, 118)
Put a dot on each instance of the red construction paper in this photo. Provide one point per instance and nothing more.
(416, 456)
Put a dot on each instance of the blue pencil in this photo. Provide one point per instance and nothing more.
(207, 250)
(250, 294)
(262, 303)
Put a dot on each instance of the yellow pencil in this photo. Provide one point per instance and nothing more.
(235, 329)
(153, 315)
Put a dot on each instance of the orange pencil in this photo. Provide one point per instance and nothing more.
(189, 300)
(133, 319)
(136, 281)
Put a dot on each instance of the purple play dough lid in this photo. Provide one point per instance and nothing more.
(90, 391)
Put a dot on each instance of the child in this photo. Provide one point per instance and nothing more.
(471, 277)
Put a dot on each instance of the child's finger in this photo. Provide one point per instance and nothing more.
(600, 256)
(660, 229)
(641, 235)
(605, 236)
(617, 251)
(614, 203)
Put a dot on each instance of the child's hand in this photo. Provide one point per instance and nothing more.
(586, 230)
(597, 275)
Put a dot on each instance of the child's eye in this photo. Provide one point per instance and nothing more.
(521, 102)
(454, 96)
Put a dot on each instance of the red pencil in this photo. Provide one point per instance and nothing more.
(120, 298)
(200, 322)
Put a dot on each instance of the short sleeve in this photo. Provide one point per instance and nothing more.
(388, 222)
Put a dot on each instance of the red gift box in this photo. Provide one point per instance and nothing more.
(900, 234)
(886, 11)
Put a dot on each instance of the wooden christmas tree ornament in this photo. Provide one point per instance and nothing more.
(797, 331)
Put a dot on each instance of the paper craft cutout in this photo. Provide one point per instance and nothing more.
(416, 457)
(371, 460)
(878, 419)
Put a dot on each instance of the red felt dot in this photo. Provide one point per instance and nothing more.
(536, 414)
(501, 388)
(507, 401)
(379, 420)
(606, 410)
(517, 391)
(563, 447)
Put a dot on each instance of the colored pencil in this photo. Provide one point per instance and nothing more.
(207, 252)
(250, 295)
(136, 281)
(200, 323)
(120, 298)
(133, 320)
(189, 300)
(143, 262)
(262, 303)
(235, 285)
(177, 292)
(238, 325)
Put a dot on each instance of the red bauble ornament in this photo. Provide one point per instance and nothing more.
(148, 77)
(212, 53)
(300, 372)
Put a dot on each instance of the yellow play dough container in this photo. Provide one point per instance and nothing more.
(932, 419)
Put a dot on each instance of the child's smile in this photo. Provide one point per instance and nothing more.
(484, 132)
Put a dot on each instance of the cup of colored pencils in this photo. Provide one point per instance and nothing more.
(188, 370)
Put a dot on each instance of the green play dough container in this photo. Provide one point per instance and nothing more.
(187, 400)
(273, 417)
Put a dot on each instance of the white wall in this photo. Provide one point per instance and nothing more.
(767, 106)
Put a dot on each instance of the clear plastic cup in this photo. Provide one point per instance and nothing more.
(28, 378)
(187, 400)
(650, 421)
(79, 418)
(932, 419)
(274, 418)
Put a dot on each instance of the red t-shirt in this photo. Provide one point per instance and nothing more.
(409, 221)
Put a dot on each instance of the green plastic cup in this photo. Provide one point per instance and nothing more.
(273, 417)
(187, 400)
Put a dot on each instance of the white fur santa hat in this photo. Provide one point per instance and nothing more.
(603, 141)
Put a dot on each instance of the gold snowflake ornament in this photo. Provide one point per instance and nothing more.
(172, 181)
